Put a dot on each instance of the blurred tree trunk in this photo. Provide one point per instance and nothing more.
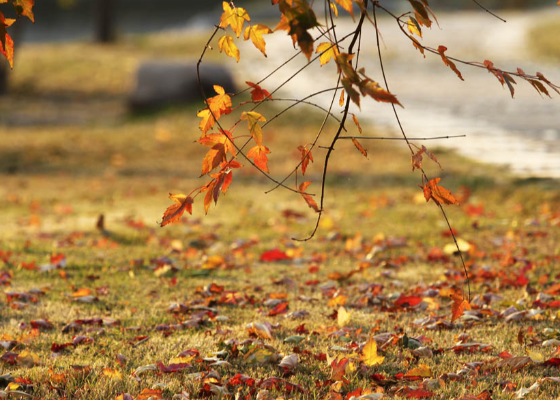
(105, 21)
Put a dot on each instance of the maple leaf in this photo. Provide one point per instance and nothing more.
(369, 353)
(339, 369)
(459, 306)
(224, 138)
(226, 44)
(6, 42)
(438, 194)
(174, 212)
(255, 33)
(253, 118)
(234, 17)
(308, 199)
(359, 147)
(24, 7)
(258, 154)
(258, 93)
(347, 5)
(217, 106)
(298, 17)
(215, 156)
(328, 51)
(441, 50)
(306, 156)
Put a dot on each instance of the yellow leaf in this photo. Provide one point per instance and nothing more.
(226, 44)
(181, 360)
(334, 8)
(328, 51)
(369, 353)
(252, 118)
(259, 329)
(341, 100)
(343, 317)
(258, 154)
(27, 359)
(414, 27)
(255, 32)
(347, 5)
(422, 370)
(535, 356)
(112, 373)
(234, 17)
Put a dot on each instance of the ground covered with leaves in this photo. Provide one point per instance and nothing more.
(101, 303)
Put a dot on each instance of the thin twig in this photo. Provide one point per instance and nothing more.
(487, 10)
(239, 150)
(357, 33)
(412, 152)
(398, 138)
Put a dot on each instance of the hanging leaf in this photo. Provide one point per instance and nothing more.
(297, 18)
(359, 147)
(328, 51)
(226, 44)
(174, 212)
(234, 17)
(441, 50)
(438, 194)
(306, 156)
(347, 5)
(253, 119)
(258, 93)
(23, 7)
(258, 154)
(414, 27)
(376, 92)
(255, 33)
(217, 106)
(308, 199)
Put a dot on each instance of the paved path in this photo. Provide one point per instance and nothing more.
(523, 132)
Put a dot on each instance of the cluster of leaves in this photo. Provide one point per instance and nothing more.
(299, 21)
(23, 8)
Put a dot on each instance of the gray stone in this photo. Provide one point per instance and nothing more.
(163, 83)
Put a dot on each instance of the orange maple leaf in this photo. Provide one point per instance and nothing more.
(308, 199)
(258, 154)
(217, 106)
(174, 212)
(459, 306)
(234, 17)
(438, 194)
(215, 156)
(376, 92)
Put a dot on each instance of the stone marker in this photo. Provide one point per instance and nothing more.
(162, 83)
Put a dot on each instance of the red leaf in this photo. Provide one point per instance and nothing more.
(258, 154)
(258, 93)
(407, 301)
(438, 194)
(274, 255)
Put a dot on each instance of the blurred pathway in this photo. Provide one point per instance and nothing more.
(523, 132)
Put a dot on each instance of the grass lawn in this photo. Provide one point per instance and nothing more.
(206, 307)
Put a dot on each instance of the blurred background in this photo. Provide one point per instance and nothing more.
(95, 83)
